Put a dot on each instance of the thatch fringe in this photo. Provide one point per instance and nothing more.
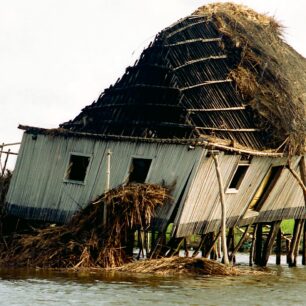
(269, 74)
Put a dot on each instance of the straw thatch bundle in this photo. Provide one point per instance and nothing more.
(269, 74)
(178, 265)
(86, 241)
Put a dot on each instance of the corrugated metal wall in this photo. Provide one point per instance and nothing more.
(38, 190)
(286, 200)
(202, 209)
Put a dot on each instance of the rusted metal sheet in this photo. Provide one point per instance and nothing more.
(39, 190)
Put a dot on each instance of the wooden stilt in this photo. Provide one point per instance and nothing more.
(223, 210)
(303, 178)
(304, 245)
(239, 244)
(298, 241)
(294, 245)
(258, 245)
(209, 246)
(186, 252)
(200, 246)
(278, 247)
(269, 242)
(252, 250)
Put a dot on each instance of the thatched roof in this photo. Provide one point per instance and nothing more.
(223, 73)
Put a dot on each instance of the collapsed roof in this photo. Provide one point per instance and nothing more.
(223, 74)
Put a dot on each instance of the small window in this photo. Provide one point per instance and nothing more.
(237, 178)
(77, 168)
(139, 170)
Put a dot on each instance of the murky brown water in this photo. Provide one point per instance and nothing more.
(21, 287)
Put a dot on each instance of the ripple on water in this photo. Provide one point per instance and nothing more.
(25, 287)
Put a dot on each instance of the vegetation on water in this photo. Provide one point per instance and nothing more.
(86, 241)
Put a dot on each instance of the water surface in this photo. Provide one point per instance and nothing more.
(285, 286)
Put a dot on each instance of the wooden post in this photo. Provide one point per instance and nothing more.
(252, 250)
(258, 245)
(294, 245)
(269, 242)
(239, 244)
(303, 178)
(107, 184)
(304, 245)
(278, 247)
(223, 210)
(5, 162)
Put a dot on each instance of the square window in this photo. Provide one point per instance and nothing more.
(139, 170)
(77, 168)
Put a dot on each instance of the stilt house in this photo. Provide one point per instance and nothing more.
(218, 82)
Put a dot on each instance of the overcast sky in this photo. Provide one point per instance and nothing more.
(56, 56)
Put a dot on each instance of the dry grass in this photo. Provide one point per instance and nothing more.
(86, 241)
(268, 73)
(178, 265)
(187, 266)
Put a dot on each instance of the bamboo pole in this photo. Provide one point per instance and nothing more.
(223, 210)
(107, 184)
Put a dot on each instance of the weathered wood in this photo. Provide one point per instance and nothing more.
(205, 84)
(195, 40)
(304, 246)
(298, 241)
(274, 229)
(291, 256)
(278, 247)
(258, 245)
(203, 110)
(297, 177)
(199, 247)
(223, 210)
(226, 130)
(203, 59)
(239, 244)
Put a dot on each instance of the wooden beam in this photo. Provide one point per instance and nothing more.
(184, 28)
(296, 176)
(204, 110)
(9, 152)
(199, 60)
(190, 41)
(206, 83)
(226, 130)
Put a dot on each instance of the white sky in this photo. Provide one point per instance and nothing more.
(56, 56)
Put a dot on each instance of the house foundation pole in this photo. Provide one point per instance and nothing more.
(258, 245)
(269, 242)
(294, 245)
(304, 245)
(278, 247)
(223, 210)
(303, 178)
(252, 250)
(239, 244)
(107, 184)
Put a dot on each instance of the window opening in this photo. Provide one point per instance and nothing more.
(139, 170)
(77, 168)
(266, 187)
(238, 176)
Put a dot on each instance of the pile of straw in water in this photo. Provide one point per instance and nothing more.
(268, 73)
(86, 241)
(177, 265)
